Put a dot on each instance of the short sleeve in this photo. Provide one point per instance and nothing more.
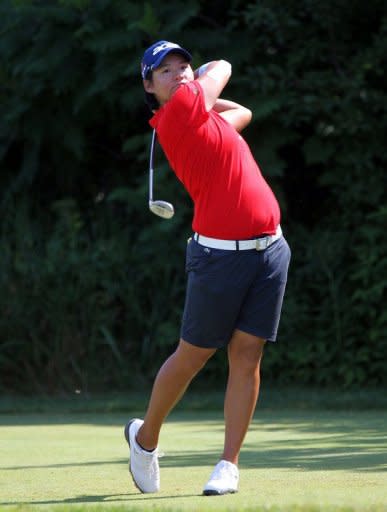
(186, 106)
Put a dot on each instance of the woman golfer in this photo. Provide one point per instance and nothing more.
(237, 259)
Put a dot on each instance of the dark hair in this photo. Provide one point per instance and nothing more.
(151, 101)
(150, 98)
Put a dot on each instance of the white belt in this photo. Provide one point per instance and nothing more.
(259, 244)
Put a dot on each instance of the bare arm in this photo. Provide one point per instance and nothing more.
(237, 115)
(213, 77)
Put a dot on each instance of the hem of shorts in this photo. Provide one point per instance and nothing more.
(201, 345)
(271, 339)
(223, 344)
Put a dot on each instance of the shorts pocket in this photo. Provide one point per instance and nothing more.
(197, 256)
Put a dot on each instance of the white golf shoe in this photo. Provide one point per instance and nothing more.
(223, 480)
(143, 465)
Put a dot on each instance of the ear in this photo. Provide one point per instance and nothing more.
(148, 86)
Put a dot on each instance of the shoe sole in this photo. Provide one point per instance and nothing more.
(217, 493)
(126, 433)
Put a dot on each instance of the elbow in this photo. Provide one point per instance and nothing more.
(244, 119)
(249, 115)
(227, 67)
(221, 70)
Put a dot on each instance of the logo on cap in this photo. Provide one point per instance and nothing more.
(155, 54)
(164, 46)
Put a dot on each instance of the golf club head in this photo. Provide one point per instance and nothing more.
(162, 209)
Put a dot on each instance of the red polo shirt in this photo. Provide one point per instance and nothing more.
(232, 200)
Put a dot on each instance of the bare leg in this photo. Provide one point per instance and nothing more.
(244, 354)
(169, 386)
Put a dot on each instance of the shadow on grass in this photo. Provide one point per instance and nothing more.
(104, 498)
(288, 440)
(343, 457)
(320, 447)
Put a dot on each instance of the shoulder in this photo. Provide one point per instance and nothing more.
(186, 105)
(188, 91)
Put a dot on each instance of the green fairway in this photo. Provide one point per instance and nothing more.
(296, 460)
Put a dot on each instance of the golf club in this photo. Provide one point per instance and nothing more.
(160, 208)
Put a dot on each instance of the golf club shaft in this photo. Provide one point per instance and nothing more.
(152, 150)
(161, 208)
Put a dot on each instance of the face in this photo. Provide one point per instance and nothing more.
(173, 71)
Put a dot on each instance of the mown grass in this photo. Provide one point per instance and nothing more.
(299, 456)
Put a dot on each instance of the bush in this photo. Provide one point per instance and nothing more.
(93, 285)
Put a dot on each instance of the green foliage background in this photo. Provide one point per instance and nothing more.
(92, 283)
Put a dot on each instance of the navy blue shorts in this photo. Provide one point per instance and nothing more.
(228, 290)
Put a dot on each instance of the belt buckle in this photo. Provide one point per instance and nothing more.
(262, 243)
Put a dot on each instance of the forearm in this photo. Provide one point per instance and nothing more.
(236, 114)
(222, 105)
(213, 77)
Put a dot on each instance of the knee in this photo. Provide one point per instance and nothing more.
(192, 359)
(246, 361)
(245, 357)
